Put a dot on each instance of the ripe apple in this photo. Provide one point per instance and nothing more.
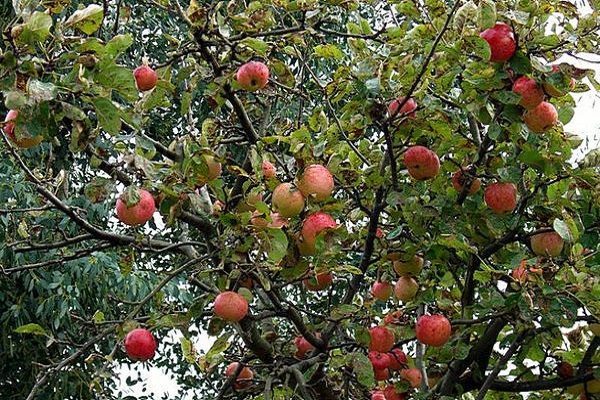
(557, 84)
(379, 360)
(547, 244)
(140, 344)
(253, 76)
(541, 118)
(244, 378)
(381, 374)
(433, 330)
(565, 369)
(378, 395)
(459, 179)
(268, 170)
(312, 226)
(406, 288)
(230, 306)
(501, 40)
(316, 182)
(20, 142)
(531, 93)
(421, 162)
(320, 282)
(391, 393)
(411, 267)
(287, 200)
(381, 290)
(412, 376)
(382, 339)
(501, 197)
(303, 346)
(135, 206)
(397, 359)
(145, 78)
(407, 109)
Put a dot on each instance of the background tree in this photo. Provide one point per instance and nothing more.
(423, 160)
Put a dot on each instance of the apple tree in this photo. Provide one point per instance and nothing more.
(354, 199)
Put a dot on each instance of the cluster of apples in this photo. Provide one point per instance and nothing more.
(406, 287)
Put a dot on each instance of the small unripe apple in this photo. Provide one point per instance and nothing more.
(20, 142)
(411, 267)
(244, 378)
(541, 118)
(412, 376)
(287, 200)
(145, 78)
(381, 290)
(319, 282)
(421, 162)
(531, 93)
(230, 306)
(312, 226)
(501, 197)
(381, 374)
(406, 288)
(391, 393)
(379, 360)
(408, 109)
(547, 244)
(303, 346)
(140, 344)
(433, 330)
(501, 40)
(397, 359)
(459, 180)
(268, 170)
(316, 182)
(135, 206)
(382, 339)
(253, 76)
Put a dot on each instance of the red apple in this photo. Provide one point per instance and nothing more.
(421, 162)
(378, 395)
(303, 346)
(244, 378)
(268, 170)
(381, 290)
(145, 78)
(230, 306)
(253, 76)
(412, 376)
(381, 374)
(382, 339)
(541, 118)
(287, 200)
(501, 197)
(316, 182)
(21, 142)
(433, 330)
(407, 109)
(379, 360)
(135, 206)
(406, 288)
(531, 93)
(411, 267)
(397, 359)
(312, 226)
(391, 393)
(140, 344)
(501, 40)
(547, 244)
(459, 180)
(320, 282)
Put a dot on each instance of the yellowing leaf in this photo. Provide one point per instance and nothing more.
(87, 20)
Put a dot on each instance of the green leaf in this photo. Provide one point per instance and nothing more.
(566, 114)
(98, 317)
(36, 29)
(33, 329)
(108, 115)
(278, 244)
(362, 369)
(117, 45)
(520, 63)
(219, 346)
(87, 20)
(486, 14)
(119, 79)
(328, 51)
(259, 46)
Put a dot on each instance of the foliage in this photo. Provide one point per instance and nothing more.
(75, 280)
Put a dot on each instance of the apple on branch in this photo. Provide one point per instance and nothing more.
(312, 226)
(501, 197)
(541, 118)
(546, 243)
(501, 40)
(287, 200)
(422, 163)
(531, 93)
(406, 288)
(244, 377)
(316, 182)
(135, 206)
(253, 76)
(460, 178)
(145, 78)
(231, 306)
(381, 290)
(382, 339)
(433, 330)
(140, 344)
